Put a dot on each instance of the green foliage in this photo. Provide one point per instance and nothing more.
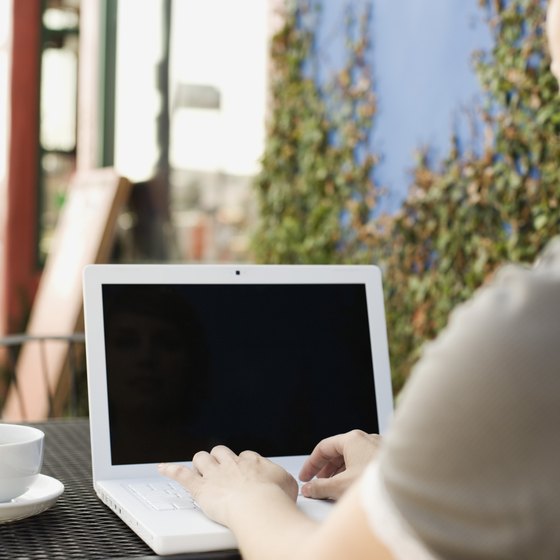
(314, 188)
(461, 219)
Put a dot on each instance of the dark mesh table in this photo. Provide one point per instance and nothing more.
(78, 525)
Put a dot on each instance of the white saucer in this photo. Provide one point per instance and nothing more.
(41, 496)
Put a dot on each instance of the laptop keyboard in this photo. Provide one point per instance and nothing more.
(165, 495)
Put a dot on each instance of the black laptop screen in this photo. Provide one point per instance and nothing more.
(273, 368)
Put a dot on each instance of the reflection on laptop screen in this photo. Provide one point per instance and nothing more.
(273, 368)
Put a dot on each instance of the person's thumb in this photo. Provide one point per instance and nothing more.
(324, 488)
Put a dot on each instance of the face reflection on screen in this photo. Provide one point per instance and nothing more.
(271, 368)
(141, 347)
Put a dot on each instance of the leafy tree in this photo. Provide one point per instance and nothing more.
(462, 218)
(316, 185)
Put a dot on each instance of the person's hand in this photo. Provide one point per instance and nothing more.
(336, 462)
(221, 476)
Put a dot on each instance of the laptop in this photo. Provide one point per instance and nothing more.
(180, 358)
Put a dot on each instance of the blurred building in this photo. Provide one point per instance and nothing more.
(170, 93)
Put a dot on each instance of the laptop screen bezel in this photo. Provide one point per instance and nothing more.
(95, 276)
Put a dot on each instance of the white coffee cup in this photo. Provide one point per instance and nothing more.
(21, 458)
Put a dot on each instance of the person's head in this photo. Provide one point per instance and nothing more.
(553, 33)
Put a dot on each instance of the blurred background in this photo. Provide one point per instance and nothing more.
(192, 104)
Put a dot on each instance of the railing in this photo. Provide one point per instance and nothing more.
(65, 390)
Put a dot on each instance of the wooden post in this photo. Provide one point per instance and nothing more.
(20, 265)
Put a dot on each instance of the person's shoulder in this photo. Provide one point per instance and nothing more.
(478, 418)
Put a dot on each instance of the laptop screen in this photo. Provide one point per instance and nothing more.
(273, 368)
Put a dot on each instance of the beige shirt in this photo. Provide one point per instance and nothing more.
(471, 464)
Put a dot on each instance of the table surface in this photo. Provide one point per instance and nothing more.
(79, 525)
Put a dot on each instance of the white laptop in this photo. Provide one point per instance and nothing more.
(183, 357)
